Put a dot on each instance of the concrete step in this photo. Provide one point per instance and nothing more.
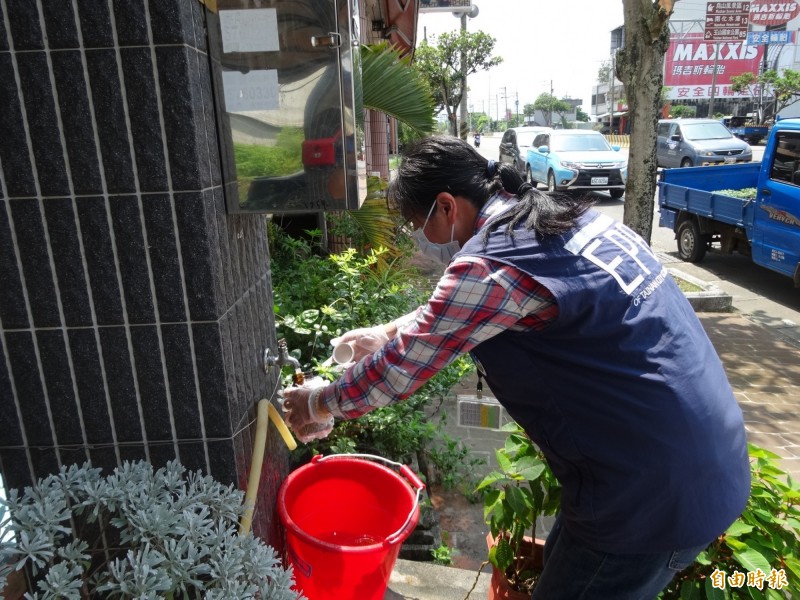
(412, 580)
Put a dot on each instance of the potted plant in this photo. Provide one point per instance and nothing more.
(759, 555)
(137, 533)
(515, 497)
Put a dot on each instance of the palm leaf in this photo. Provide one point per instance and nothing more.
(374, 221)
(392, 86)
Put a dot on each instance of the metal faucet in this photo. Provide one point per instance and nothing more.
(282, 359)
(283, 356)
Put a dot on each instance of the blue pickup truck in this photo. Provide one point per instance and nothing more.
(702, 205)
(745, 129)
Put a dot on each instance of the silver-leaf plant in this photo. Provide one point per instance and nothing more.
(136, 533)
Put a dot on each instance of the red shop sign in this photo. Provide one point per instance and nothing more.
(763, 12)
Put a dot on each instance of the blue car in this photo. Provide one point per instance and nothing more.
(576, 159)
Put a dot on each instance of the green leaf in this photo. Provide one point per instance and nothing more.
(738, 528)
(713, 593)
(751, 560)
(391, 86)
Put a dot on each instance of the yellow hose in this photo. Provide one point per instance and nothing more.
(265, 410)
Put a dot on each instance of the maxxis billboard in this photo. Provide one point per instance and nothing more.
(690, 63)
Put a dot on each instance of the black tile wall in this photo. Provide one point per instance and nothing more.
(121, 387)
(16, 469)
(34, 74)
(3, 38)
(99, 250)
(221, 455)
(28, 384)
(193, 455)
(211, 379)
(134, 310)
(75, 108)
(58, 382)
(142, 100)
(17, 168)
(9, 422)
(181, 374)
(131, 22)
(35, 260)
(184, 125)
(152, 383)
(172, 22)
(66, 250)
(13, 314)
(164, 258)
(60, 24)
(95, 19)
(126, 221)
(198, 257)
(110, 120)
(23, 21)
(90, 383)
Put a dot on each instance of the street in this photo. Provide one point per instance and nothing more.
(758, 293)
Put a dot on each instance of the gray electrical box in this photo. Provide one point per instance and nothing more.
(287, 93)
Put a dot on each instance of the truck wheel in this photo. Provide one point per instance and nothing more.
(616, 193)
(551, 182)
(692, 245)
(687, 162)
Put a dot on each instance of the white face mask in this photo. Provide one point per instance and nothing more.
(442, 253)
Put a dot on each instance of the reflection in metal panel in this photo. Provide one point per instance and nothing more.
(287, 83)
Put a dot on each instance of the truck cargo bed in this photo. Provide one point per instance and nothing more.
(692, 189)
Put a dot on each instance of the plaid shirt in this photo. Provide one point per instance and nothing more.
(474, 300)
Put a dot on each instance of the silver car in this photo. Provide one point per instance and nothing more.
(698, 142)
(515, 143)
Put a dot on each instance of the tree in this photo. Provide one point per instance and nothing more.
(549, 104)
(785, 88)
(581, 116)
(440, 66)
(640, 67)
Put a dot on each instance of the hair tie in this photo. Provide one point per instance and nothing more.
(524, 189)
(491, 169)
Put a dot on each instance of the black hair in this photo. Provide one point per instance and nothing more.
(448, 164)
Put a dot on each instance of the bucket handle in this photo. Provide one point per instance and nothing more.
(405, 470)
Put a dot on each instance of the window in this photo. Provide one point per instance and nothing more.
(663, 129)
(786, 164)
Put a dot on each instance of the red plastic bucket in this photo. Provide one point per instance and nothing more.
(346, 518)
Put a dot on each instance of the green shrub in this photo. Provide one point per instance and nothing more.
(760, 547)
(320, 297)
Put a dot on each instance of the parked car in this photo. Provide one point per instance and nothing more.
(515, 143)
(576, 159)
(698, 142)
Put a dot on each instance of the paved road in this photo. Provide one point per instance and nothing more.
(758, 293)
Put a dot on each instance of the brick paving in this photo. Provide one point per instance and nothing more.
(764, 372)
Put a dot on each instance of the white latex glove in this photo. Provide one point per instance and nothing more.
(364, 341)
(303, 415)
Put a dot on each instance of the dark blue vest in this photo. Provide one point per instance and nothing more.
(624, 392)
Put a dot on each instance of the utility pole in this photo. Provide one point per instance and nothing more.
(517, 103)
(505, 97)
(611, 90)
(463, 109)
(713, 82)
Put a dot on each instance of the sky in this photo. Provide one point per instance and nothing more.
(540, 41)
